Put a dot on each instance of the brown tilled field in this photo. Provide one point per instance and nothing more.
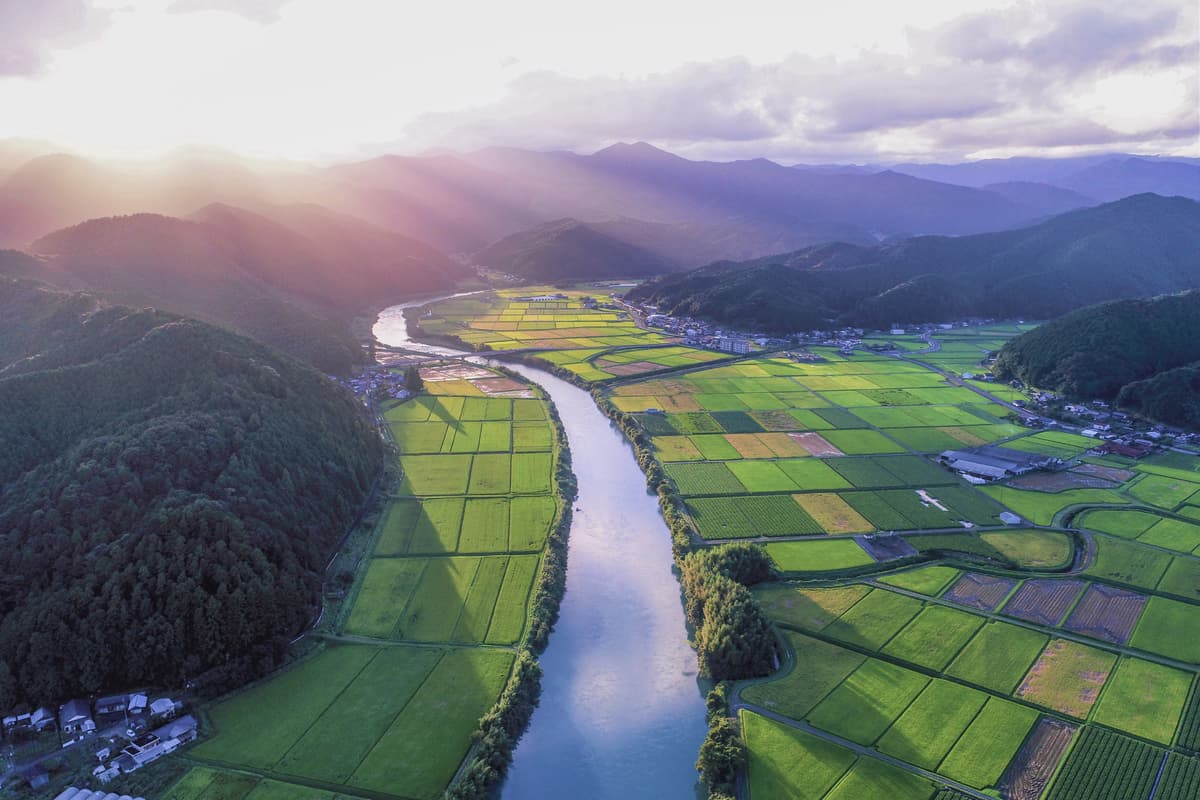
(1043, 600)
(1034, 764)
(983, 592)
(1107, 613)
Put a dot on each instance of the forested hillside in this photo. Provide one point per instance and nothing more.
(1137, 247)
(1143, 353)
(569, 250)
(292, 280)
(169, 495)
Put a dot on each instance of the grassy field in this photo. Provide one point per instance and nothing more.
(985, 748)
(785, 762)
(868, 701)
(1144, 699)
(998, 656)
(818, 668)
(203, 783)
(928, 728)
(934, 637)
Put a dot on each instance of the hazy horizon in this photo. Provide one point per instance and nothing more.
(851, 83)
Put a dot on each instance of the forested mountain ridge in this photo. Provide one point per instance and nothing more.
(170, 493)
(292, 280)
(569, 250)
(1136, 247)
(1143, 353)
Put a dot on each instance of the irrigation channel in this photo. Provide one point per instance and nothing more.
(622, 711)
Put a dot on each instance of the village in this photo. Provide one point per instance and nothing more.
(119, 734)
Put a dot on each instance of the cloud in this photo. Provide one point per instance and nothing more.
(985, 81)
(261, 11)
(30, 31)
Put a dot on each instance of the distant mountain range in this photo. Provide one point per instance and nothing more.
(463, 203)
(1145, 354)
(288, 252)
(1136, 247)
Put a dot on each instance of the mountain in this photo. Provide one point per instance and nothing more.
(986, 171)
(1143, 353)
(1101, 178)
(461, 203)
(1136, 247)
(291, 282)
(1046, 199)
(569, 250)
(170, 494)
(1120, 177)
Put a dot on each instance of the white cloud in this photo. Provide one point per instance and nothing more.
(30, 31)
(263, 11)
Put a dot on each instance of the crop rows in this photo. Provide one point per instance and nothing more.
(1107, 766)
(1043, 600)
(983, 592)
(1107, 613)
(1180, 779)
(1034, 765)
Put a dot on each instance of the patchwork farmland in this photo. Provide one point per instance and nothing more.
(429, 630)
(934, 647)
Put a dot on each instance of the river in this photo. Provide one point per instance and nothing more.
(622, 711)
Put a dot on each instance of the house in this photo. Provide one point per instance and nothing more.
(1126, 450)
(182, 730)
(75, 716)
(113, 704)
(730, 344)
(137, 703)
(163, 707)
(42, 719)
(1009, 518)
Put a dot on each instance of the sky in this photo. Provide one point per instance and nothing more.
(791, 80)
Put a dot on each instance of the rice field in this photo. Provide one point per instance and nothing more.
(837, 457)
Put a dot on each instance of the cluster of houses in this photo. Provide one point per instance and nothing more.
(77, 718)
(146, 748)
(992, 462)
(374, 379)
(697, 333)
(1122, 433)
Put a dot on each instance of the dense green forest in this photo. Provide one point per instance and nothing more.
(170, 495)
(1142, 353)
(1137, 247)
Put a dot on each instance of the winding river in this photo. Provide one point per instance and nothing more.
(622, 712)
